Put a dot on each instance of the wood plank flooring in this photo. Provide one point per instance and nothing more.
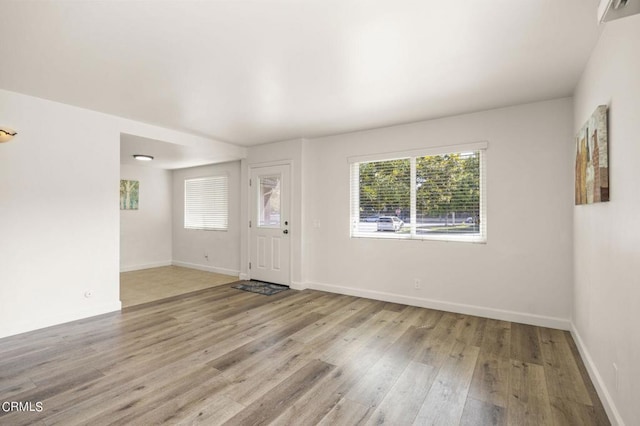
(224, 356)
(149, 285)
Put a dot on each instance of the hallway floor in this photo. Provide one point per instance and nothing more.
(149, 285)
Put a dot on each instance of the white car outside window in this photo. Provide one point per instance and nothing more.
(389, 223)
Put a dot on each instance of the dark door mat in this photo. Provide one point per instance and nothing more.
(260, 287)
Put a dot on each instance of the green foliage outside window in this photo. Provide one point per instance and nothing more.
(445, 184)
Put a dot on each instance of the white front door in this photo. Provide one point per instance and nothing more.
(269, 226)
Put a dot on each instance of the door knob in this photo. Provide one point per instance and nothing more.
(286, 231)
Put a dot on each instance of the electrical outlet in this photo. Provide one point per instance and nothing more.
(416, 283)
(615, 377)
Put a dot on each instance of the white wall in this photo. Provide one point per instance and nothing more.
(191, 245)
(145, 234)
(524, 271)
(60, 227)
(59, 208)
(607, 235)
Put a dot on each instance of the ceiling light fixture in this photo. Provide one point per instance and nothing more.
(6, 134)
(142, 157)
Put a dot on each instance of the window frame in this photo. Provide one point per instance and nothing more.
(413, 155)
(219, 213)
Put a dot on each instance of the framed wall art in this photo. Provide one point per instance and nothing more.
(129, 194)
(592, 160)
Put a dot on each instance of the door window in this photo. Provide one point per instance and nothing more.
(269, 202)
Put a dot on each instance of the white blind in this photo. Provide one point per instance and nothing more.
(439, 196)
(384, 189)
(206, 203)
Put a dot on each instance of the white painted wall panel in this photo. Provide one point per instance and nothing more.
(191, 245)
(145, 234)
(606, 235)
(524, 271)
(59, 227)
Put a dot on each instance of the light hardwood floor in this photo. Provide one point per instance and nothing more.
(222, 355)
(148, 285)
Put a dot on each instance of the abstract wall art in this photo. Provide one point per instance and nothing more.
(129, 193)
(592, 160)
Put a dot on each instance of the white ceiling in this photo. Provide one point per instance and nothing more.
(166, 155)
(251, 72)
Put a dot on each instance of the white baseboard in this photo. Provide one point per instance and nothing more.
(145, 266)
(596, 378)
(68, 316)
(225, 271)
(243, 276)
(481, 311)
(297, 285)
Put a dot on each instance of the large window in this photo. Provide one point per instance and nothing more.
(431, 194)
(206, 203)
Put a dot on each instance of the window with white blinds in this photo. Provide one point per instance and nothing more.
(206, 203)
(433, 194)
